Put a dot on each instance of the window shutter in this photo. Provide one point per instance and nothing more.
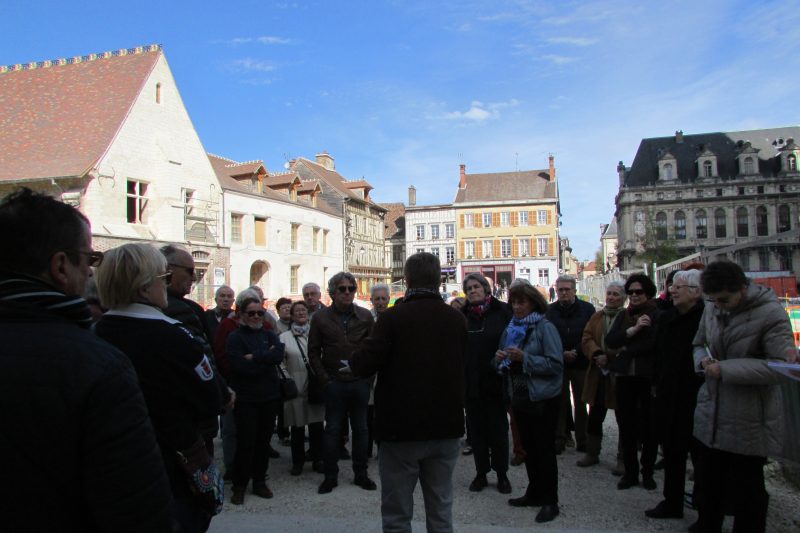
(461, 249)
(550, 250)
(495, 220)
(515, 247)
(533, 220)
(496, 246)
(549, 217)
(461, 224)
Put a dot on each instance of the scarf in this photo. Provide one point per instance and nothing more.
(478, 310)
(410, 293)
(300, 330)
(515, 332)
(609, 315)
(19, 289)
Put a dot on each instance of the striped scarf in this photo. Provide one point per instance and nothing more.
(21, 290)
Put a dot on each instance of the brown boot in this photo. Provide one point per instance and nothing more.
(592, 456)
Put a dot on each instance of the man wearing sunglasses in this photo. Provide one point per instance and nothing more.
(336, 332)
(73, 410)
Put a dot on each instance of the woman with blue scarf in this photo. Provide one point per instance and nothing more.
(531, 361)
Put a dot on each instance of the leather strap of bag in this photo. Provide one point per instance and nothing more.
(303, 355)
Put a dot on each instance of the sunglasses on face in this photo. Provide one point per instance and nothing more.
(635, 292)
(95, 258)
(346, 288)
(251, 314)
(166, 276)
(564, 289)
(189, 270)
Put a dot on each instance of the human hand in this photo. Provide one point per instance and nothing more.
(713, 370)
(515, 354)
(643, 322)
(570, 355)
(248, 357)
(500, 355)
(232, 400)
(601, 360)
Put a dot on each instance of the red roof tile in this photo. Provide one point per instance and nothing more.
(507, 186)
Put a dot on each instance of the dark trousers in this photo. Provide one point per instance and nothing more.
(488, 425)
(575, 377)
(675, 417)
(537, 428)
(370, 429)
(345, 400)
(255, 422)
(634, 416)
(315, 435)
(597, 411)
(726, 480)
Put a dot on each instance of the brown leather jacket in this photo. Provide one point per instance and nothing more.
(329, 344)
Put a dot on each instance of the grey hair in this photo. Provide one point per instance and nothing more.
(311, 285)
(257, 290)
(221, 288)
(170, 251)
(245, 297)
(691, 277)
(337, 278)
(480, 279)
(618, 284)
(567, 279)
(379, 287)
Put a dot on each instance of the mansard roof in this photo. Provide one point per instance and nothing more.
(60, 116)
(725, 145)
(524, 185)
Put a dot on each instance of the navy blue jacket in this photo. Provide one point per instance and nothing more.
(570, 322)
(254, 380)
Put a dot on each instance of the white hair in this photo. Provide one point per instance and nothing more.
(690, 277)
(379, 287)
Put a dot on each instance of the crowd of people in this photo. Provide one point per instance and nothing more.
(135, 387)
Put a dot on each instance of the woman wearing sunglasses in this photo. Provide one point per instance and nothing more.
(633, 334)
(176, 378)
(254, 354)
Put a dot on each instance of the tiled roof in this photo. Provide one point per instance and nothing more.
(312, 170)
(506, 187)
(59, 117)
(395, 220)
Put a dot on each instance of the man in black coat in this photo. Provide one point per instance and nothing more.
(77, 444)
(569, 315)
(417, 349)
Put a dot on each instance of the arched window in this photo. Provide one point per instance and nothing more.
(706, 169)
(761, 221)
(791, 163)
(742, 227)
(680, 225)
(701, 229)
(668, 171)
(748, 166)
(720, 224)
(158, 93)
(661, 226)
(784, 218)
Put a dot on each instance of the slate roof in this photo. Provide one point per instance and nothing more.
(725, 145)
(523, 185)
(395, 220)
(59, 117)
(611, 229)
(308, 169)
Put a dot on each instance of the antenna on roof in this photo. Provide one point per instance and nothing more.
(460, 158)
(516, 161)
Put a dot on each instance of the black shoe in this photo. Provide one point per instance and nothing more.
(580, 448)
(327, 486)
(663, 510)
(479, 483)
(318, 467)
(273, 453)
(626, 483)
(694, 528)
(263, 492)
(296, 470)
(365, 483)
(524, 501)
(649, 483)
(343, 453)
(503, 485)
(228, 476)
(547, 513)
(238, 497)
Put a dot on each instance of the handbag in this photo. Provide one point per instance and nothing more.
(515, 385)
(314, 390)
(288, 386)
(204, 479)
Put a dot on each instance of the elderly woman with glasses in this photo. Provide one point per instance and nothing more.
(176, 377)
(254, 354)
(633, 334)
(487, 418)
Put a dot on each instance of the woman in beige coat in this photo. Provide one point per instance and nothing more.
(598, 388)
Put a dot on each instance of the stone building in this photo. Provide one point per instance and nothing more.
(608, 246)
(394, 233)
(736, 193)
(109, 134)
(432, 228)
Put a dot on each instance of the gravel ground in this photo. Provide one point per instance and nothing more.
(589, 501)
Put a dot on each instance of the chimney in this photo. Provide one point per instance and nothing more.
(621, 172)
(412, 196)
(552, 167)
(324, 159)
(679, 137)
(463, 179)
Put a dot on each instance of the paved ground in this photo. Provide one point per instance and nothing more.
(590, 502)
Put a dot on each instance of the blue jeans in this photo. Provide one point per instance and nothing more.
(401, 464)
(345, 400)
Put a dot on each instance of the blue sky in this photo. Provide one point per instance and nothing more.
(401, 92)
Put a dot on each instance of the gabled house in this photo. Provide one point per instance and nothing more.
(109, 134)
(280, 232)
(394, 232)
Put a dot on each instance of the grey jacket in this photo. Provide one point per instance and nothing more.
(543, 362)
(741, 413)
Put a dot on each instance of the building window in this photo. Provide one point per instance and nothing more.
(661, 226)
(763, 259)
(699, 193)
(784, 259)
(719, 192)
(760, 189)
(702, 224)
(450, 256)
(761, 221)
(487, 248)
(668, 171)
(469, 220)
(744, 260)
(324, 241)
(541, 245)
(435, 231)
(541, 216)
(505, 247)
(748, 166)
(523, 218)
(505, 219)
(449, 231)
(295, 237)
(469, 249)
(791, 163)
(435, 251)
(784, 220)
(261, 231)
(294, 270)
(639, 216)
(524, 247)
(420, 250)
(314, 239)
(740, 191)
(742, 229)
(236, 227)
(706, 169)
(720, 224)
(637, 197)
(420, 232)
(680, 225)
(137, 201)
(544, 277)
(659, 196)
(678, 195)
(158, 93)
(487, 220)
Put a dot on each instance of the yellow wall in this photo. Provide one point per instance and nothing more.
(514, 231)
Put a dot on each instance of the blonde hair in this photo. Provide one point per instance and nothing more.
(125, 270)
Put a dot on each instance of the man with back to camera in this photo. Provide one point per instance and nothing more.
(78, 443)
(419, 397)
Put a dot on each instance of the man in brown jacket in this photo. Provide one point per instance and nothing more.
(336, 332)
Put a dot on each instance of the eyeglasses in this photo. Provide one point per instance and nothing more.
(635, 292)
(166, 276)
(474, 287)
(251, 314)
(189, 270)
(565, 289)
(346, 288)
(95, 258)
(310, 294)
(679, 287)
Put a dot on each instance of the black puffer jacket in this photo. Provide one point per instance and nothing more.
(570, 321)
(483, 340)
(78, 449)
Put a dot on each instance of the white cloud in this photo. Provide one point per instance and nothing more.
(574, 41)
(478, 112)
(257, 65)
(264, 39)
(558, 59)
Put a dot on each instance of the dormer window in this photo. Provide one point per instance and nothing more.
(707, 169)
(791, 163)
(668, 171)
(748, 166)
